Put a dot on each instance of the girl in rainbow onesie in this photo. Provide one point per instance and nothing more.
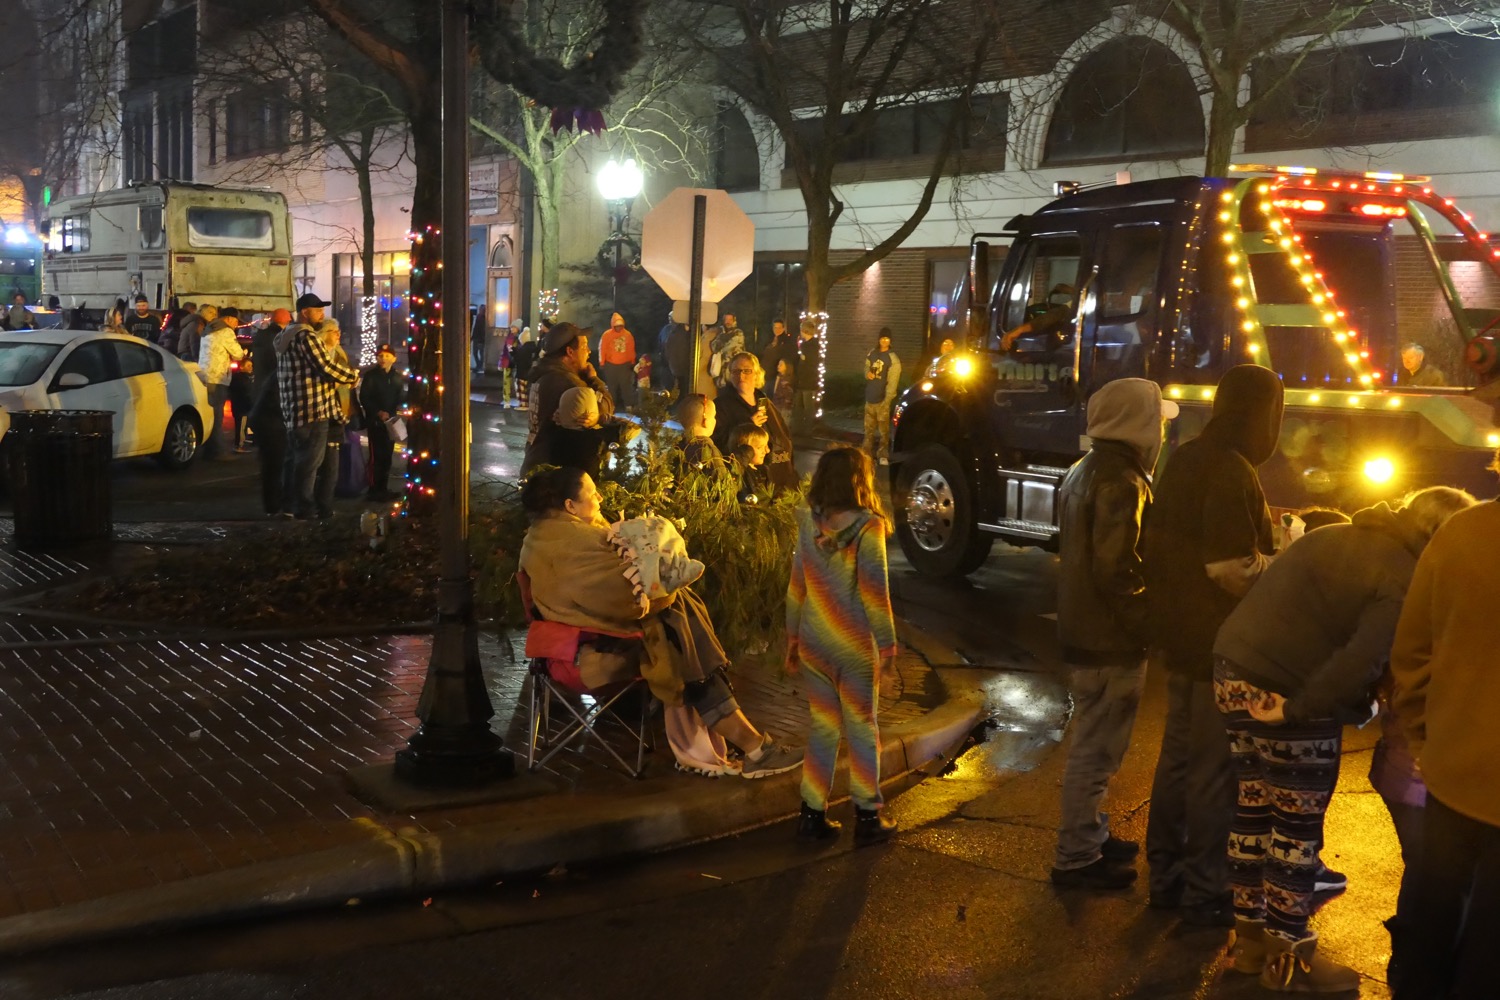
(841, 636)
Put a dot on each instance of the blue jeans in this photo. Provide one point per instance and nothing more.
(309, 445)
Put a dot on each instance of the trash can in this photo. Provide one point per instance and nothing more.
(58, 463)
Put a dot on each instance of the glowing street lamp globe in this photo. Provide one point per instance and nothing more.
(620, 181)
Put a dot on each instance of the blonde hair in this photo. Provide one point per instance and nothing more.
(1431, 507)
(745, 433)
(845, 480)
(208, 314)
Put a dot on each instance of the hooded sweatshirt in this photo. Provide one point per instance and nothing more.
(838, 601)
(1318, 624)
(1209, 533)
(1103, 500)
(1447, 690)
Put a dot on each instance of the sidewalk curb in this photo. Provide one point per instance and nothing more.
(396, 863)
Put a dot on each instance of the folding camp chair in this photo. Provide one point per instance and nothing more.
(554, 651)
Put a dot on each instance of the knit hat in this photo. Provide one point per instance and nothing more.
(578, 409)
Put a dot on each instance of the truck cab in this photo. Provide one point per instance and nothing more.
(1328, 279)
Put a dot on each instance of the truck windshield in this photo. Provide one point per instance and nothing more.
(23, 364)
(230, 228)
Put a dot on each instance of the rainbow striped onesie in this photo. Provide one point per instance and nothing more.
(838, 609)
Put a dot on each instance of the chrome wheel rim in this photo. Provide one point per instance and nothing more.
(929, 510)
(182, 442)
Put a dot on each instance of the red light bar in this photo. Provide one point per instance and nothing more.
(1302, 204)
(1374, 210)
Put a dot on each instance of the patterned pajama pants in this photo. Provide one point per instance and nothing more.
(1286, 775)
(842, 701)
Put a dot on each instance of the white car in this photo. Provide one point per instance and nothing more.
(159, 402)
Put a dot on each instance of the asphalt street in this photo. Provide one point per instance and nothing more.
(959, 905)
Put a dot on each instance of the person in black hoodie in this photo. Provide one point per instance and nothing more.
(266, 422)
(1295, 661)
(1207, 540)
(1101, 620)
(381, 387)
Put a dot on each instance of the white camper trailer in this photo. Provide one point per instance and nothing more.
(225, 246)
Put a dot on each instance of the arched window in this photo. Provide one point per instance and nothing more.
(736, 154)
(503, 252)
(1129, 98)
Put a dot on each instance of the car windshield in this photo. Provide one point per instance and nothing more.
(23, 364)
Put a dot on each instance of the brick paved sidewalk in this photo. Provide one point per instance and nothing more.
(129, 765)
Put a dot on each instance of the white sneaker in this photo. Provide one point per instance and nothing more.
(885, 461)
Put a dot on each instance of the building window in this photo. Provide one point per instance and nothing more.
(1402, 90)
(1130, 98)
(211, 115)
(255, 121)
(917, 130)
(138, 135)
(736, 154)
(174, 132)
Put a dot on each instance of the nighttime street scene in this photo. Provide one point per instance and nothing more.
(551, 499)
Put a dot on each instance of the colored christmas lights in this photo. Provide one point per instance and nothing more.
(821, 319)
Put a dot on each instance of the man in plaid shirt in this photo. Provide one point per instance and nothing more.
(307, 378)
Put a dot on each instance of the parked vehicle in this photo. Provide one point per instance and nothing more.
(20, 265)
(1323, 277)
(228, 246)
(159, 403)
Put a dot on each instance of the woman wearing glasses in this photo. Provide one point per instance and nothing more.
(742, 401)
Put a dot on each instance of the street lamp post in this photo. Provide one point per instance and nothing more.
(619, 183)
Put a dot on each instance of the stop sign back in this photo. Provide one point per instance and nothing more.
(667, 244)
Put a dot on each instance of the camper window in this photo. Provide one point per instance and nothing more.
(150, 226)
(230, 228)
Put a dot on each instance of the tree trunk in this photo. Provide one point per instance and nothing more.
(1224, 119)
(367, 208)
(549, 220)
(424, 337)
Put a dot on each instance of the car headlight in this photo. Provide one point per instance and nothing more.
(963, 367)
(1380, 471)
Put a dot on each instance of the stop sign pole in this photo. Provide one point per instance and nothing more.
(695, 284)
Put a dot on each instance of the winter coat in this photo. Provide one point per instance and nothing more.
(1103, 501)
(1318, 624)
(380, 391)
(190, 334)
(733, 411)
(1209, 533)
(523, 359)
(265, 398)
(550, 378)
(218, 352)
(1447, 690)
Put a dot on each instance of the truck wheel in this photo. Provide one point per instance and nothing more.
(180, 443)
(935, 520)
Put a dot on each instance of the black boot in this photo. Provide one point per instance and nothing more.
(814, 824)
(870, 827)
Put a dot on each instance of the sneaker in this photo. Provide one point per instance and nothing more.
(1115, 849)
(710, 771)
(774, 759)
(885, 461)
(1329, 880)
(1102, 874)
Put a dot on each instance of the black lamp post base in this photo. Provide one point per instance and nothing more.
(454, 757)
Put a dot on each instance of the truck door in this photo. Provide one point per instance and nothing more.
(1038, 407)
(1128, 299)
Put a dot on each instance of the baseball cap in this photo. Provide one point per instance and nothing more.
(561, 336)
(311, 301)
(385, 349)
(141, 298)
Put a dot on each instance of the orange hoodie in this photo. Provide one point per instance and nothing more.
(617, 347)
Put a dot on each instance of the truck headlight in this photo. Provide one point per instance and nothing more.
(963, 367)
(1380, 470)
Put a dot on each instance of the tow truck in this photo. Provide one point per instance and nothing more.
(1372, 295)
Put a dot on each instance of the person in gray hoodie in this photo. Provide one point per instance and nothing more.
(1101, 619)
(1297, 659)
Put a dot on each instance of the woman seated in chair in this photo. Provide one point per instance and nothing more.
(577, 578)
